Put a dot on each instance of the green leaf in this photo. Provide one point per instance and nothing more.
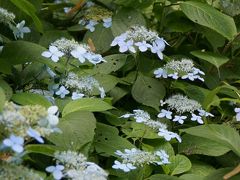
(117, 93)
(106, 81)
(19, 52)
(30, 10)
(163, 177)
(30, 99)
(124, 19)
(222, 134)
(218, 174)
(102, 38)
(206, 15)
(231, 7)
(201, 168)
(179, 164)
(108, 141)
(86, 104)
(7, 89)
(114, 63)
(191, 177)
(77, 132)
(148, 91)
(139, 130)
(198, 145)
(213, 58)
(44, 149)
(2, 99)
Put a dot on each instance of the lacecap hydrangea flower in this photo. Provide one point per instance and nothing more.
(143, 117)
(183, 69)
(25, 122)
(79, 86)
(73, 165)
(142, 39)
(237, 111)
(94, 14)
(133, 158)
(180, 108)
(71, 48)
(18, 29)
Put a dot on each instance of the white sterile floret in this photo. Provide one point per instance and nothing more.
(56, 171)
(35, 134)
(179, 119)
(237, 111)
(168, 135)
(79, 53)
(107, 23)
(52, 117)
(138, 115)
(53, 53)
(183, 69)
(76, 95)
(138, 37)
(197, 118)
(15, 143)
(91, 25)
(165, 113)
(62, 92)
(20, 30)
(134, 158)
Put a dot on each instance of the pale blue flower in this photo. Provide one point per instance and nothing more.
(119, 39)
(158, 46)
(94, 58)
(165, 113)
(53, 88)
(102, 92)
(143, 46)
(53, 53)
(168, 135)
(174, 75)
(20, 30)
(160, 73)
(197, 118)
(107, 23)
(35, 134)
(189, 76)
(125, 167)
(237, 111)
(163, 156)
(179, 119)
(125, 46)
(56, 171)
(15, 142)
(91, 25)
(79, 53)
(205, 113)
(62, 92)
(76, 95)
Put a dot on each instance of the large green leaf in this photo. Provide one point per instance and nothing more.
(102, 38)
(206, 15)
(86, 104)
(108, 82)
(30, 99)
(163, 177)
(179, 164)
(30, 10)
(114, 63)
(124, 19)
(44, 149)
(148, 91)
(7, 89)
(218, 174)
(19, 52)
(222, 134)
(198, 145)
(213, 58)
(108, 141)
(77, 132)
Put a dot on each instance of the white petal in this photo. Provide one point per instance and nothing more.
(52, 110)
(53, 49)
(17, 148)
(46, 54)
(55, 58)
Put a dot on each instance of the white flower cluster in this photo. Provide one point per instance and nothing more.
(183, 69)
(143, 117)
(182, 107)
(78, 86)
(24, 122)
(138, 37)
(67, 47)
(134, 158)
(73, 165)
(94, 15)
(18, 29)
